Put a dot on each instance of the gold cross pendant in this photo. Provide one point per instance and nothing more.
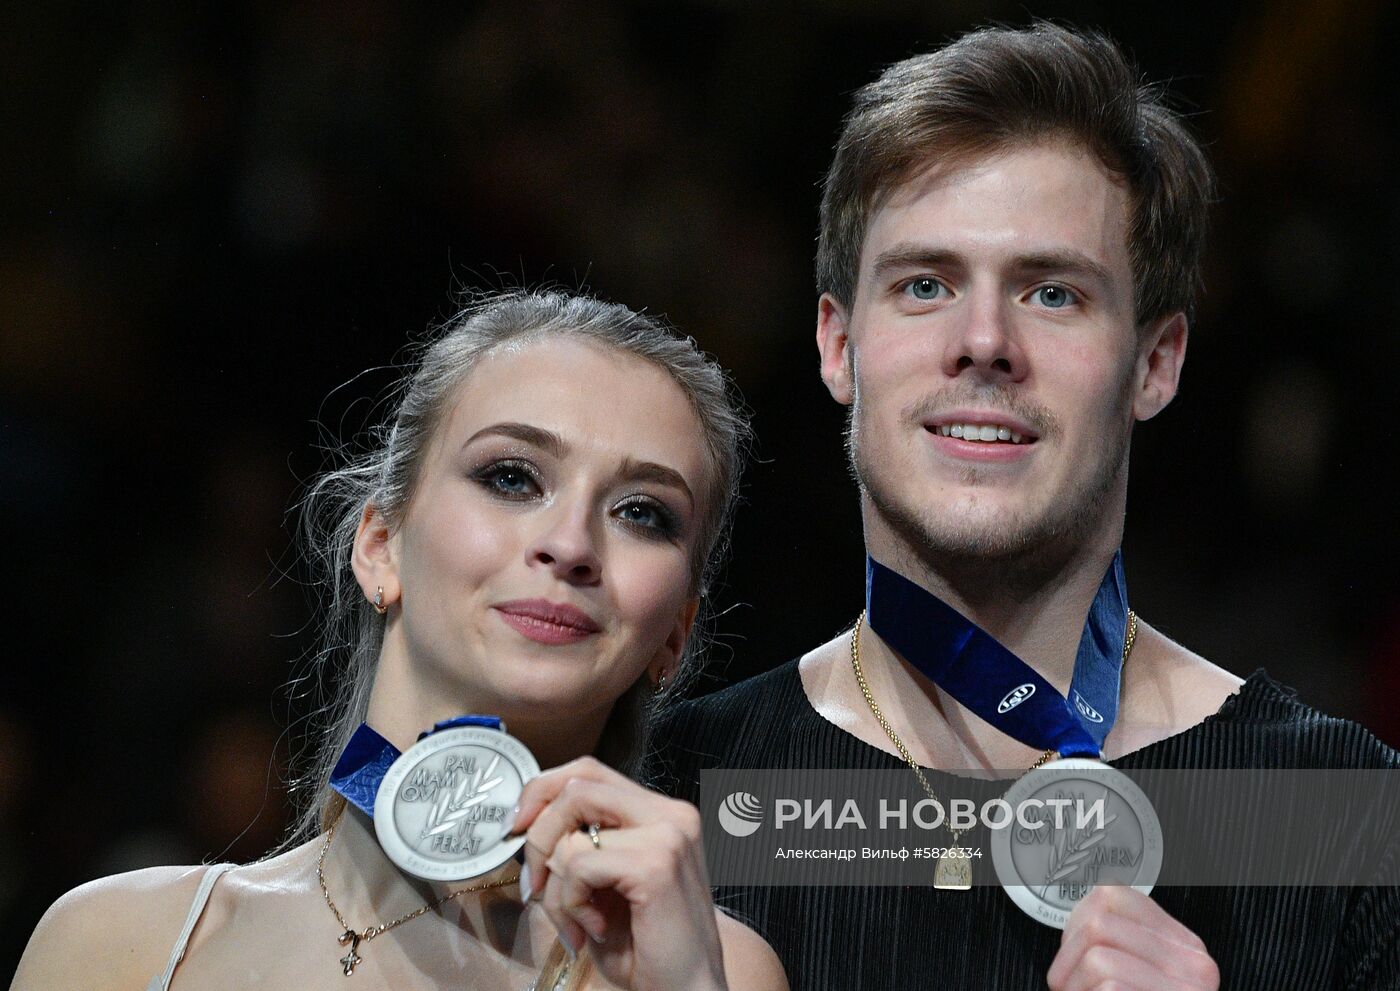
(350, 959)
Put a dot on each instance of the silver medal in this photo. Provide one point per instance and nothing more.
(1095, 827)
(440, 812)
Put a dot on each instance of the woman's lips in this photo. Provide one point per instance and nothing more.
(548, 622)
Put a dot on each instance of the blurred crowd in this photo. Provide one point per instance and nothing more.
(214, 218)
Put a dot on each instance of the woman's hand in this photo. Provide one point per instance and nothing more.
(1119, 938)
(641, 895)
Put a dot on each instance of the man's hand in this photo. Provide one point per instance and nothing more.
(1119, 938)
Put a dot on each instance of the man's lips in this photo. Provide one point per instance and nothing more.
(977, 450)
(981, 435)
(982, 426)
(548, 622)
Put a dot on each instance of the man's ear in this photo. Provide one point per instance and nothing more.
(833, 343)
(373, 557)
(1160, 357)
(668, 658)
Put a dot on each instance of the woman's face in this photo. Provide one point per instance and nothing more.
(545, 560)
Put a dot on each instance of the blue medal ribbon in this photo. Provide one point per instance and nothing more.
(367, 757)
(970, 665)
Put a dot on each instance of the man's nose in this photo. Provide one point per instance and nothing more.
(984, 341)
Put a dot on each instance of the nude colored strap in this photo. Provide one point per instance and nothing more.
(201, 898)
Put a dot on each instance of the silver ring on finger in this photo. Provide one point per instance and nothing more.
(593, 830)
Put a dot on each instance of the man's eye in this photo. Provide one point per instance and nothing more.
(925, 289)
(1053, 297)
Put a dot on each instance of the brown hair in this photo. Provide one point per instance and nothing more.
(996, 87)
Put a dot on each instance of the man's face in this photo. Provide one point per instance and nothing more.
(991, 356)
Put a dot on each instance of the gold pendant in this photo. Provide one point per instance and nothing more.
(953, 874)
(350, 959)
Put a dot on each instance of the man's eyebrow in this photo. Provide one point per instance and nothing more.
(905, 256)
(537, 436)
(1064, 261)
(650, 471)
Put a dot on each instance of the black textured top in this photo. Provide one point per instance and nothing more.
(1272, 938)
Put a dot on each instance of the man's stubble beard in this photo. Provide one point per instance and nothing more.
(1017, 552)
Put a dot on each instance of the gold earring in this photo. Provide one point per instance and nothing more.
(661, 683)
(379, 605)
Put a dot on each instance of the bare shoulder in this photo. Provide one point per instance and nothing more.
(1168, 688)
(115, 932)
(749, 962)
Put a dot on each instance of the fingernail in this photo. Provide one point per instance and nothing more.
(597, 937)
(525, 883)
(509, 821)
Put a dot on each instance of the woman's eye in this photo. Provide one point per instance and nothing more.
(512, 481)
(925, 289)
(1053, 297)
(647, 516)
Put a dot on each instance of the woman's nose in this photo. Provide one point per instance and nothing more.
(568, 548)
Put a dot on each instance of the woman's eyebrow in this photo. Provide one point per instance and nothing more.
(650, 471)
(537, 436)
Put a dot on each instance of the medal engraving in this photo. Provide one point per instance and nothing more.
(441, 809)
(1095, 826)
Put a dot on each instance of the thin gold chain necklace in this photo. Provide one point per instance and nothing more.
(353, 938)
(951, 873)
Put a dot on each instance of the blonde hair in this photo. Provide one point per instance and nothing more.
(386, 473)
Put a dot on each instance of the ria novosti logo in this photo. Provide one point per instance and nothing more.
(740, 814)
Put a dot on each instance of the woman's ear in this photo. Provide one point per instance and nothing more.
(373, 559)
(668, 659)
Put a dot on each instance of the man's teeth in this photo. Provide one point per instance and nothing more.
(982, 432)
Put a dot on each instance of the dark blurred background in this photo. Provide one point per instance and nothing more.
(215, 215)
